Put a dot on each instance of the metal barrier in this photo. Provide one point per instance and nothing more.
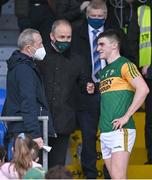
(44, 119)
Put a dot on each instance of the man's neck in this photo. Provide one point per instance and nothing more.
(25, 52)
(113, 57)
(54, 47)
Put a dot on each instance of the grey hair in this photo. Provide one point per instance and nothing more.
(97, 4)
(58, 22)
(26, 37)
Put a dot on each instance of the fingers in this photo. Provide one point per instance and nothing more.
(39, 141)
(117, 124)
(90, 87)
(144, 70)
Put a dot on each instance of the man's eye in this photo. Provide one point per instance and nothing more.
(101, 44)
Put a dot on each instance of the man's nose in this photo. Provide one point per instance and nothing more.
(98, 17)
(98, 48)
(65, 38)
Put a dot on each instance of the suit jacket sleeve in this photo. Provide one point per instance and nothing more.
(84, 77)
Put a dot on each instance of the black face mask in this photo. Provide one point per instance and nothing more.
(62, 46)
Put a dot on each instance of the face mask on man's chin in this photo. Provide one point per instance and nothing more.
(39, 54)
(95, 23)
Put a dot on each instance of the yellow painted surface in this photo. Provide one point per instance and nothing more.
(140, 172)
(140, 125)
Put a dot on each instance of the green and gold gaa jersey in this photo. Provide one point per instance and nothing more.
(116, 92)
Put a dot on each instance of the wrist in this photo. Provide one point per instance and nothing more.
(128, 115)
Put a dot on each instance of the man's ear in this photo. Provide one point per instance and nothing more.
(105, 16)
(51, 36)
(12, 149)
(114, 45)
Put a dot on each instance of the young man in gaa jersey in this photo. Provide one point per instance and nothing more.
(123, 91)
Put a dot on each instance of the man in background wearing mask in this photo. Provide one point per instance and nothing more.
(62, 70)
(25, 91)
(85, 43)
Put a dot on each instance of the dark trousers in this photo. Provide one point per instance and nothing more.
(88, 122)
(57, 155)
(148, 122)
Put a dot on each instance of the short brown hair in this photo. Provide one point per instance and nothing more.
(111, 34)
(58, 172)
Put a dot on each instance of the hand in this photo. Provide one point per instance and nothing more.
(39, 141)
(84, 5)
(144, 70)
(118, 123)
(90, 88)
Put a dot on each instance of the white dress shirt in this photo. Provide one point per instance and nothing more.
(103, 63)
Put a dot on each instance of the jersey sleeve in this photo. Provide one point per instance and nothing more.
(129, 71)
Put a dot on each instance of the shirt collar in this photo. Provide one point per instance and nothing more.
(90, 28)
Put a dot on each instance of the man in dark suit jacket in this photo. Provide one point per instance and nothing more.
(88, 112)
(62, 70)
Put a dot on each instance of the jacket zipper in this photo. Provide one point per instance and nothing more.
(41, 111)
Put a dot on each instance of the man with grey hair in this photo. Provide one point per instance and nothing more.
(25, 92)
